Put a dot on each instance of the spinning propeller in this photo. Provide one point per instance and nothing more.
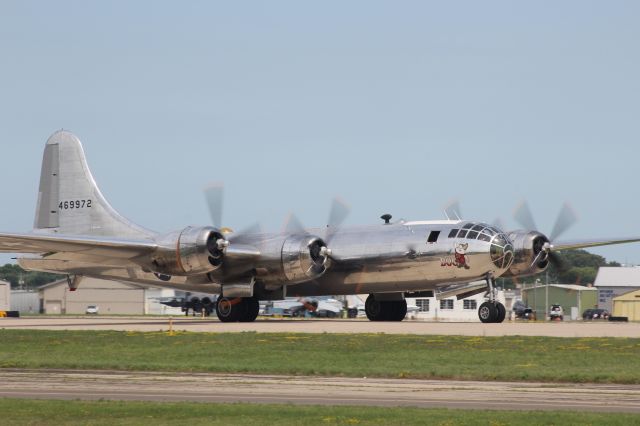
(543, 247)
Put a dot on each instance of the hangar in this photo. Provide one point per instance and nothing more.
(573, 298)
(612, 282)
(627, 305)
(112, 297)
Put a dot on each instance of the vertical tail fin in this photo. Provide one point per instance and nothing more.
(69, 201)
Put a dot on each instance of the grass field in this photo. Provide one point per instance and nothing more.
(35, 412)
(600, 360)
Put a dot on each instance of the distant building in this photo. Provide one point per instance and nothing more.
(451, 309)
(111, 297)
(615, 281)
(5, 296)
(627, 305)
(573, 298)
(25, 301)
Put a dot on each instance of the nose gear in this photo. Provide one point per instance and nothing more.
(491, 311)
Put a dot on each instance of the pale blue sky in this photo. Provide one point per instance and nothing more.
(396, 106)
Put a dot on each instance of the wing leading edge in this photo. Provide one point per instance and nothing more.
(580, 244)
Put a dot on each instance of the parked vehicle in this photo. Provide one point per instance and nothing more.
(92, 310)
(594, 314)
(556, 313)
(523, 311)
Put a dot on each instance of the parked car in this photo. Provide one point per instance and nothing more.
(592, 314)
(523, 311)
(556, 313)
(92, 310)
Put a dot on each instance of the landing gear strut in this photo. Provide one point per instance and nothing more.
(385, 310)
(491, 311)
(239, 309)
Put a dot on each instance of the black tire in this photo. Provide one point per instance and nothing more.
(374, 309)
(400, 310)
(502, 312)
(230, 310)
(487, 312)
(252, 307)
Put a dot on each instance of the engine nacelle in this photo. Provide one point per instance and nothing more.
(192, 251)
(527, 246)
(304, 257)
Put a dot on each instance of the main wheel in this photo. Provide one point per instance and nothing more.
(374, 309)
(488, 312)
(399, 310)
(502, 312)
(252, 307)
(230, 310)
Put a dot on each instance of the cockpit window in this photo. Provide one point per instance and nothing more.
(501, 251)
(477, 228)
(472, 235)
(467, 226)
(453, 233)
(484, 237)
(462, 234)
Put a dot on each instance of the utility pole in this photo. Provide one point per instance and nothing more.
(546, 296)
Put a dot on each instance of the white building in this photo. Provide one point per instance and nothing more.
(451, 309)
(5, 296)
(615, 281)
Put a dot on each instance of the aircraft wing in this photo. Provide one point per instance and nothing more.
(100, 246)
(578, 244)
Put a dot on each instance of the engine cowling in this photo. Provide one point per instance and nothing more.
(192, 251)
(304, 257)
(527, 246)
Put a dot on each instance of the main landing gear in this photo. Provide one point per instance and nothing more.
(238, 309)
(385, 310)
(492, 310)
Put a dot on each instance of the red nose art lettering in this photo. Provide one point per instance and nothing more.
(459, 258)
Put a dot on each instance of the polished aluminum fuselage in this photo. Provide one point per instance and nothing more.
(380, 258)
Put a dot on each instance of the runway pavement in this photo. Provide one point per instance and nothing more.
(151, 386)
(556, 329)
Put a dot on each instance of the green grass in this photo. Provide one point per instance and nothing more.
(35, 412)
(603, 360)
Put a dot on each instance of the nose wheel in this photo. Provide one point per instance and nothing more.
(492, 310)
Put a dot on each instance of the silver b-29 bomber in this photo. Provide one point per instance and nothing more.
(77, 233)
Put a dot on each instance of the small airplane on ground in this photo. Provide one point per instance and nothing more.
(77, 233)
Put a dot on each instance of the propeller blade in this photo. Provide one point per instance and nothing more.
(523, 216)
(337, 215)
(293, 225)
(565, 220)
(452, 210)
(241, 236)
(214, 196)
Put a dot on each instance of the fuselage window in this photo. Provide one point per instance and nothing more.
(472, 235)
(453, 233)
(433, 236)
